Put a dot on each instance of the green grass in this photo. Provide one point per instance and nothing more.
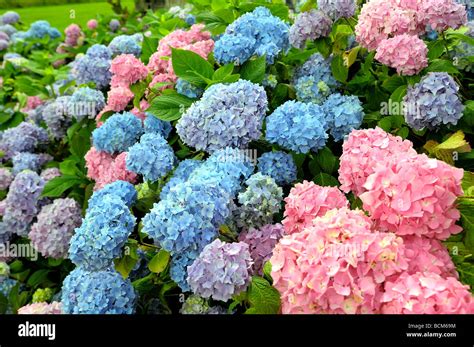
(60, 15)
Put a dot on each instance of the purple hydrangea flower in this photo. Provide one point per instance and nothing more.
(86, 102)
(10, 17)
(6, 178)
(336, 9)
(221, 270)
(57, 117)
(94, 66)
(309, 26)
(50, 173)
(27, 161)
(26, 137)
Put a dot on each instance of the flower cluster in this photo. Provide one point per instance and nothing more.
(157, 126)
(103, 233)
(10, 17)
(56, 115)
(336, 265)
(114, 25)
(42, 295)
(126, 44)
(433, 102)
(307, 201)
(463, 50)
(97, 292)
(26, 137)
(94, 66)
(86, 102)
(6, 177)
(127, 70)
(297, 126)
(227, 115)
(221, 270)
(73, 34)
(336, 9)
(187, 89)
(254, 33)
(261, 243)
(27, 161)
(124, 190)
(50, 173)
(259, 202)
(41, 308)
(313, 80)
(152, 157)
(278, 165)
(180, 175)
(309, 25)
(54, 227)
(40, 29)
(343, 114)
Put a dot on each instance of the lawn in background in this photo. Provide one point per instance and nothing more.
(60, 15)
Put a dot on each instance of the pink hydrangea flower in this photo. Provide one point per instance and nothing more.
(41, 308)
(92, 24)
(32, 102)
(100, 114)
(428, 255)
(127, 70)
(426, 293)
(414, 196)
(443, 14)
(73, 33)
(307, 201)
(105, 168)
(362, 150)
(140, 113)
(118, 98)
(337, 265)
(167, 79)
(406, 53)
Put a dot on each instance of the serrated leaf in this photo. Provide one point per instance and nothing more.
(222, 72)
(262, 297)
(169, 107)
(191, 67)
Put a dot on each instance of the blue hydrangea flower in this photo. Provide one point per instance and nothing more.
(26, 137)
(152, 157)
(278, 165)
(254, 33)
(343, 114)
(190, 19)
(297, 126)
(6, 285)
(8, 29)
(119, 132)
(125, 44)
(22, 202)
(156, 126)
(309, 25)
(103, 233)
(259, 202)
(227, 115)
(97, 292)
(336, 9)
(26, 161)
(188, 218)
(180, 175)
(114, 24)
(433, 102)
(469, 8)
(124, 190)
(221, 270)
(86, 102)
(185, 88)
(57, 117)
(10, 17)
(94, 66)
(179, 270)
(313, 80)
(42, 28)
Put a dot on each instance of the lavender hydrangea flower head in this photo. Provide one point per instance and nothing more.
(26, 137)
(125, 44)
(86, 102)
(261, 243)
(119, 132)
(297, 126)
(22, 202)
(114, 25)
(227, 115)
(313, 80)
(6, 178)
(57, 117)
(94, 66)
(185, 88)
(344, 113)
(10, 17)
(254, 33)
(433, 102)
(97, 292)
(180, 175)
(221, 270)
(124, 190)
(103, 233)
(8, 29)
(54, 227)
(26, 161)
(156, 126)
(278, 165)
(309, 25)
(152, 157)
(3, 45)
(50, 173)
(336, 9)
(259, 202)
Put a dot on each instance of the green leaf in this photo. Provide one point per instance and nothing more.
(326, 160)
(468, 183)
(222, 72)
(254, 70)
(191, 67)
(58, 185)
(435, 49)
(169, 107)
(441, 65)
(385, 123)
(148, 47)
(159, 261)
(38, 277)
(339, 70)
(125, 265)
(323, 179)
(393, 82)
(267, 272)
(262, 297)
(466, 208)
